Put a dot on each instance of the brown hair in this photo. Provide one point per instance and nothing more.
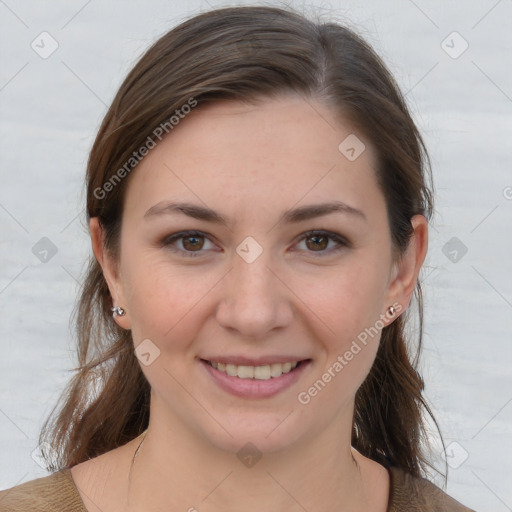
(245, 53)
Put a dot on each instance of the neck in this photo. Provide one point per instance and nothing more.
(175, 469)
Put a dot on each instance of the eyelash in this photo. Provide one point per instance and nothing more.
(341, 241)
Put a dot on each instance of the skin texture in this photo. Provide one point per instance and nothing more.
(250, 163)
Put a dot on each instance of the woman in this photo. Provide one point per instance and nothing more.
(258, 206)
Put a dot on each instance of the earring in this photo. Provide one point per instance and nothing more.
(391, 310)
(117, 311)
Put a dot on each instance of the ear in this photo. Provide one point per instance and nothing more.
(110, 269)
(405, 272)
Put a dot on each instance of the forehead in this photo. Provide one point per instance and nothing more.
(232, 155)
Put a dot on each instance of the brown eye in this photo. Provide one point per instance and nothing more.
(320, 242)
(187, 243)
(192, 242)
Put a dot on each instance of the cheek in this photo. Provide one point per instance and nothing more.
(350, 299)
(164, 300)
(350, 308)
(350, 305)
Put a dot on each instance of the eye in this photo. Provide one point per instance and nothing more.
(320, 242)
(191, 242)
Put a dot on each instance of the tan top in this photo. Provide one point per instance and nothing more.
(58, 493)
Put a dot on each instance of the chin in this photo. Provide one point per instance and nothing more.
(253, 433)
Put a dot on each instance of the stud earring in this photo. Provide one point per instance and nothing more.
(391, 310)
(117, 311)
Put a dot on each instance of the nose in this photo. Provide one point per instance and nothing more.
(254, 300)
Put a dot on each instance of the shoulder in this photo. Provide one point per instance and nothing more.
(52, 493)
(413, 494)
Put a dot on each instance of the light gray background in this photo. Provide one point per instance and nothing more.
(50, 109)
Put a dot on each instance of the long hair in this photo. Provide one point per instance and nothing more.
(246, 53)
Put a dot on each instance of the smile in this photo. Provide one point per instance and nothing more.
(264, 372)
(255, 382)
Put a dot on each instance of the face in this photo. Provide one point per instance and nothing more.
(275, 281)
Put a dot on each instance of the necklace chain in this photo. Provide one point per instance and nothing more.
(135, 455)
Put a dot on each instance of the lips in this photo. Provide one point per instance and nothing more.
(261, 385)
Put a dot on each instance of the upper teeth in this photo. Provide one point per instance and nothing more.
(255, 372)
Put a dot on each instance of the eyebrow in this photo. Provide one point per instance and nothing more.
(290, 216)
